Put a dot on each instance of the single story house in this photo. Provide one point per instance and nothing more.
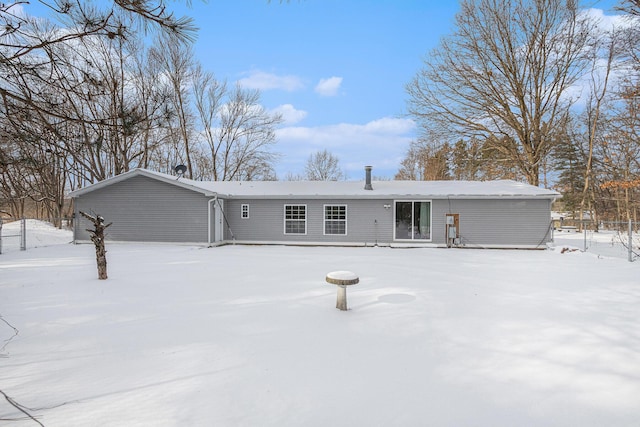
(146, 206)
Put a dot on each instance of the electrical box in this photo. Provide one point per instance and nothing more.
(450, 220)
(452, 232)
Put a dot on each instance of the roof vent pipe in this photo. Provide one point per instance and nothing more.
(367, 183)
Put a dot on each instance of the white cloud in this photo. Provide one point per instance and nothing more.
(373, 134)
(328, 87)
(290, 114)
(606, 22)
(261, 80)
(390, 125)
(380, 143)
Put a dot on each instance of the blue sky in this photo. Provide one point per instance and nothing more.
(335, 69)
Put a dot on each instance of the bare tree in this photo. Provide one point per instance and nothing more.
(618, 155)
(290, 176)
(26, 40)
(237, 131)
(178, 63)
(504, 74)
(470, 159)
(466, 162)
(124, 109)
(631, 7)
(69, 108)
(105, 82)
(323, 166)
(425, 162)
(599, 85)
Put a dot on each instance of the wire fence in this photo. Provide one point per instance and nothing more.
(612, 238)
(619, 239)
(25, 233)
(20, 235)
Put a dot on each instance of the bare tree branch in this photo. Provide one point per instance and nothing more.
(503, 74)
(323, 166)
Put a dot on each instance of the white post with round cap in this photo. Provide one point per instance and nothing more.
(342, 279)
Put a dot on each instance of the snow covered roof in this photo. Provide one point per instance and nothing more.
(341, 189)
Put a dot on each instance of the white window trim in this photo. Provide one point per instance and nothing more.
(242, 211)
(430, 224)
(324, 219)
(284, 217)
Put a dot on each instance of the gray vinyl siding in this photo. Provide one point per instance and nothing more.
(368, 222)
(483, 222)
(486, 222)
(145, 209)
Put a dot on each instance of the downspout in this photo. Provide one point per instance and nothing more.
(209, 215)
(76, 221)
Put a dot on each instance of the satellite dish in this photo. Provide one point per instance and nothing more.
(180, 170)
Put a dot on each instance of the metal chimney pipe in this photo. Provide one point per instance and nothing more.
(367, 183)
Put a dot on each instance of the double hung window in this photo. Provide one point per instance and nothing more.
(295, 219)
(335, 219)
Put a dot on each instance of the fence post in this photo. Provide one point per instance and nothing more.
(0, 235)
(23, 234)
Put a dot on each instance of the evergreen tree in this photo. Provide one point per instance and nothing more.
(570, 164)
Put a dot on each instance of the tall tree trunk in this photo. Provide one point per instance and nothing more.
(588, 193)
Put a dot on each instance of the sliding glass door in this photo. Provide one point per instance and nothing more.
(412, 220)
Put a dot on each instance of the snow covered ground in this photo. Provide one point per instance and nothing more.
(250, 336)
(38, 234)
(603, 243)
